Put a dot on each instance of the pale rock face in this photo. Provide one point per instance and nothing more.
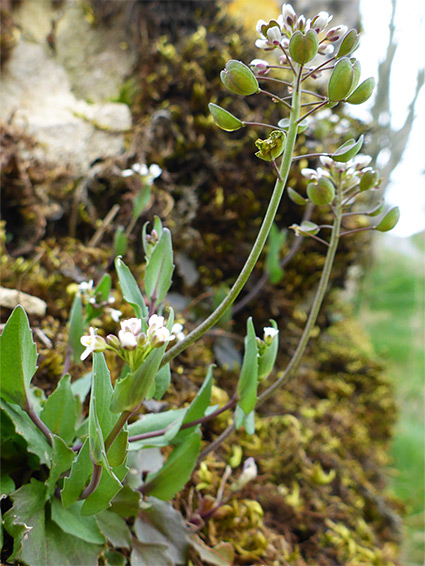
(38, 87)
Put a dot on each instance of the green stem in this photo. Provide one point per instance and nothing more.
(259, 242)
(299, 352)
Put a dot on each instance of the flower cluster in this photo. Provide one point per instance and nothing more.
(88, 293)
(132, 344)
(277, 33)
(148, 174)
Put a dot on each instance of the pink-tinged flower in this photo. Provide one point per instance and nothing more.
(160, 337)
(127, 339)
(259, 66)
(132, 325)
(319, 22)
(289, 16)
(155, 322)
(92, 343)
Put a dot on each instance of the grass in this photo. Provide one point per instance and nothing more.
(392, 310)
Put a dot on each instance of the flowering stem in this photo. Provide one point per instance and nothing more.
(123, 418)
(259, 242)
(299, 352)
(275, 97)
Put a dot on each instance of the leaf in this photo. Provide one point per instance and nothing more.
(126, 502)
(7, 485)
(153, 422)
(247, 421)
(276, 240)
(221, 554)
(60, 410)
(267, 359)
(114, 528)
(35, 439)
(247, 385)
(170, 525)
(110, 484)
(130, 289)
(114, 558)
(175, 473)
(140, 202)
(76, 328)
(18, 358)
(72, 522)
(160, 267)
(62, 459)
(81, 469)
(148, 554)
(81, 387)
(120, 241)
(162, 381)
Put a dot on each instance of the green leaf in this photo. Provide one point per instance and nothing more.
(62, 459)
(18, 358)
(148, 554)
(120, 241)
(114, 528)
(60, 421)
(114, 558)
(221, 554)
(81, 387)
(7, 485)
(242, 419)
(130, 289)
(76, 328)
(126, 503)
(110, 484)
(24, 427)
(151, 423)
(44, 542)
(170, 527)
(160, 267)
(248, 379)
(162, 381)
(176, 471)
(81, 469)
(275, 242)
(72, 522)
(267, 358)
(199, 404)
(140, 202)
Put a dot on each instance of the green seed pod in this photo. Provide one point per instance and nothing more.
(356, 74)
(369, 180)
(272, 147)
(348, 150)
(224, 119)
(309, 227)
(390, 220)
(322, 192)
(296, 197)
(349, 43)
(303, 48)
(284, 124)
(341, 80)
(239, 78)
(363, 92)
(377, 210)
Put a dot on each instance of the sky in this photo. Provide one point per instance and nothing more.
(406, 187)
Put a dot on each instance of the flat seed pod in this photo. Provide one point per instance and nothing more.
(322, 192)
(224, 119)
(341, 80)
(369, 180)
(239, 78)
(296, 197)
(349, 43)
(390, 220)
(348, 150)
(363, 92)
(303, 48)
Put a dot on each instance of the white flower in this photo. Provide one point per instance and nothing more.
(326, 161)
(115, 314)
(259, 66)
(319, 22)
(140, 168)
(160, 336)
(155, 170)
(127, 339)
(177, 330)
(92, 343)
(309, 173)
(335, 33)
(269, 334)
(155, 323)
(131, 325)
(86, 287)
(127, 173)
(249, 472)
(289, 15)
(361, 161)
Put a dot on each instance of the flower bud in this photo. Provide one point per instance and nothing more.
(369, 180)
(296, 197)
(390, 220)
(363, 92)
(224, 119)
(113, 341)
(320, 21)
(249, 472)
(306, 228)
(349, 43)
(322, 192)
(272, 147)
(239, 78)
(341, 80)
(260, 66)
(303, 48)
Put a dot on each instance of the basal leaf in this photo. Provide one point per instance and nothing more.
(130, 289)
(162, 381)
(60, 410)
(147, 554)
(80, 472)
(247, 385)
(175, 473)
(110, 484)
(114, 528)
(62, 459)
(24, 427)
(76, 328)
(18, 358)
(221, 554)
(73, 523)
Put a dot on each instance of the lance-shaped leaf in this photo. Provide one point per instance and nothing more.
(62, 459)
(59, 420)
(267, 358)
(348, 150)
(176, 471)
(132, 389)
(130, 289)
(248, 380)
(18, 358)
(162, 381)
(76, 328)
(160, 267)
(120, 241)
(275, 242)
